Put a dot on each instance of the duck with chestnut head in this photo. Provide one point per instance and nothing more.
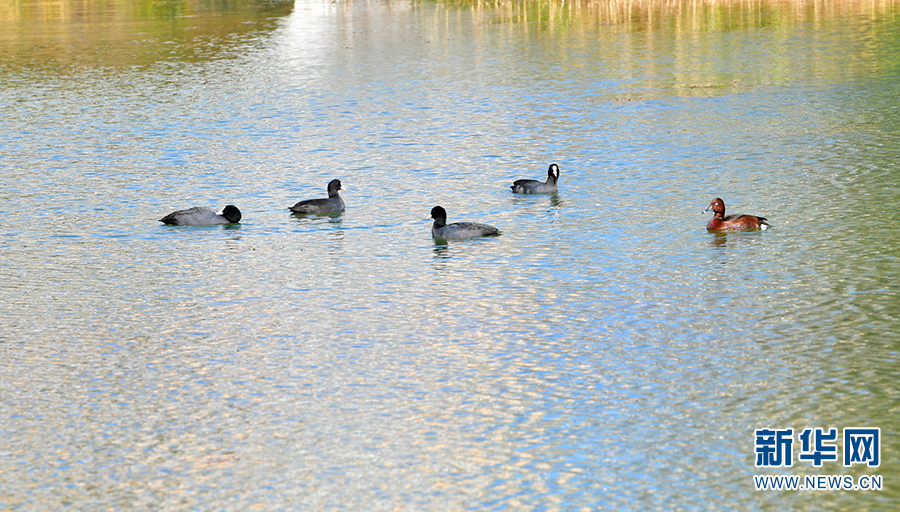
(733, 222)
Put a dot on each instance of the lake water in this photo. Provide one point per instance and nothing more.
(605, 352)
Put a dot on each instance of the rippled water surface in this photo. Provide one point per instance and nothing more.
(605, 352)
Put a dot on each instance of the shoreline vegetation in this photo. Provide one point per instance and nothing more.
(606, 11)
(54, 11)
(58, 35)
(694, 15)
(108, 33)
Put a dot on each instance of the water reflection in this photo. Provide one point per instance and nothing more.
(721, 239)
(207, 227)
(351, 363)
(553, 200)
(441, 249)
(46, 34)
(52, 11)
(317, 218)
(667, 18)
(692, 31)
